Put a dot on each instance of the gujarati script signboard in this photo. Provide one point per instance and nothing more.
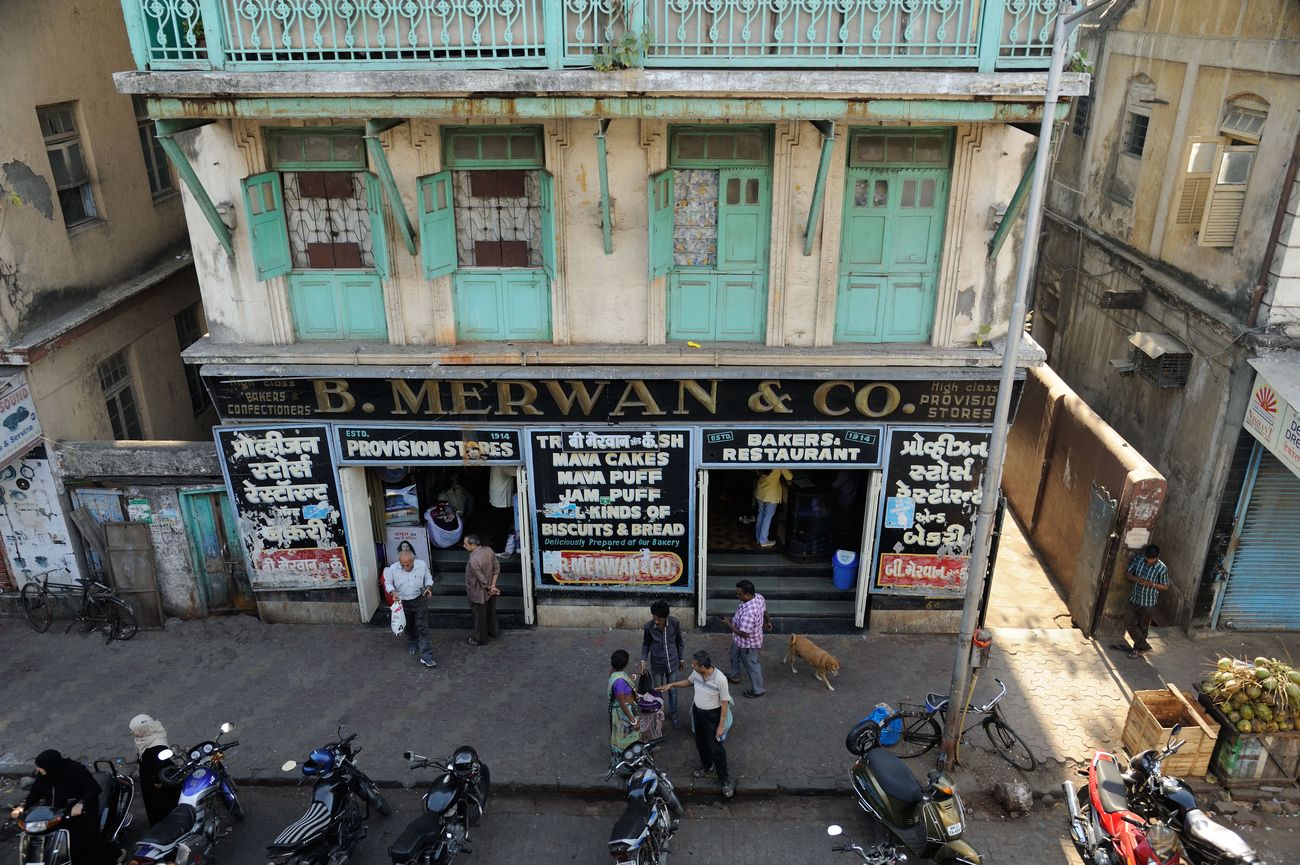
(282, 484)
(613, 508)
(931, 496)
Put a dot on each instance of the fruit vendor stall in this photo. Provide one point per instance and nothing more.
(1257, 705)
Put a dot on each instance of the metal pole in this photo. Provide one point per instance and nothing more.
(992, 482)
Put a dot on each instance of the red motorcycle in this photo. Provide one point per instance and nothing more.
(1104, 829)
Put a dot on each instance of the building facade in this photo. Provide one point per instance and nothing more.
(611, 261)
(99, 289)
(1168, 272)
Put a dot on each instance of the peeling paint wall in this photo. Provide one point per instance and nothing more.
(609, 299)
(65, 51)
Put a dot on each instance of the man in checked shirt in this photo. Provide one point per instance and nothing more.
(747, 637)
(1150, 577)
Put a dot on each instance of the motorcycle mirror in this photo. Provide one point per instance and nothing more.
(1178, 728)
(834, 831)
(289, 766)
(406, 755)
(166, 754)
(227, 727)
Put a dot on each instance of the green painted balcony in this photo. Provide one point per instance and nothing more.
(361, 35)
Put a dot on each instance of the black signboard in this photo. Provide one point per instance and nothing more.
(427, 446)
(613, 509)
(812, 447)
(929, 502)
(281, 482)
(616, 401)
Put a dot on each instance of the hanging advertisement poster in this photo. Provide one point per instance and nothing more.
(613, 509)
(930, 499)
(282, 484)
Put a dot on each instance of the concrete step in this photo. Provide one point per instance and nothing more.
(751, 564)
(777, 588)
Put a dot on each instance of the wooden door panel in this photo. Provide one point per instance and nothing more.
(858, 313)
(692, 305)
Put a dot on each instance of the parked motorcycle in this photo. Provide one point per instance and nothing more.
(1105, 830)
(881, 854)
(334, 824)
(46, 841)
(454, 802)
(185, 836)
(653, 810)
(1156, 796)
(928, 821)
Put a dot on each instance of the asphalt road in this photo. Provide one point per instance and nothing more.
(788, 831)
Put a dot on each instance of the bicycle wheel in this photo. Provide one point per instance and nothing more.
(1008, 743)
(920, 734)
(38, 607)
(121, 624)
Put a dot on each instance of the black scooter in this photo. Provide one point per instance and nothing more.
(653, 810)
(1156, 796)
(454, 802)
(928, 821)
(45, 841)
(334, 823)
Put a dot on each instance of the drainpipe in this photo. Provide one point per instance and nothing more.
(992, 483)
(1261, 286)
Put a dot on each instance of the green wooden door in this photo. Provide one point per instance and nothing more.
(502, 304)
(890, 245)
(217, 551)
(337, 304)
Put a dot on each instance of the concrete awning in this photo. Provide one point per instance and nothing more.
(1282, 371)
(1154, 345)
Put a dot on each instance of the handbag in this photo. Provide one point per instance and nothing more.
(644, 684)
(398, 618)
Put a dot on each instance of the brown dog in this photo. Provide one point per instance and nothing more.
(819, 659)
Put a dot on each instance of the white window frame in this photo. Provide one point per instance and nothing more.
(119, 396)
(66, 141)
(157, 166)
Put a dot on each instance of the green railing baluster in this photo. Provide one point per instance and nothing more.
(992, 24)
(553, 33)
(136, 32)
(214, 33)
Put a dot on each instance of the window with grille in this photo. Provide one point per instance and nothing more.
(328, 218)
(67, 162)
(1137, 117)
(156, 166)
(190, 330)
(1082, 112)
(119, 397)
(1169, 370)
(1135, 134)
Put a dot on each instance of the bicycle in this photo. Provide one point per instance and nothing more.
(921, 732)
(94, 605)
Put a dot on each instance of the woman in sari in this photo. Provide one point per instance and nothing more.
(621, 695)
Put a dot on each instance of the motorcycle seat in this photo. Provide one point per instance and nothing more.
(171, 828)
(633, 822)
(421, 832)
(311, 824)
(1201, 828)
(1110, 787)
(895, 778)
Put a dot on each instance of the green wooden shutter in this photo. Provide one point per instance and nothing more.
(744, 212)
(546, 194)
(437, 225)
(378, 231)
(264, 202)
(660, 195)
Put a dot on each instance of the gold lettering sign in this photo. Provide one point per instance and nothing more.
(332, 396)
(643, 400)
(406, 400)
(506, 404)
(766, 399)
(822, 404)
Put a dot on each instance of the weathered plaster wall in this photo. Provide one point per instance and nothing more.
(65, 51)
(65, 383)
(601, 299)
(36, 534)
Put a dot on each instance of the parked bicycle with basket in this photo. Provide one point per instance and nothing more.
(95, 605)
(919, 728)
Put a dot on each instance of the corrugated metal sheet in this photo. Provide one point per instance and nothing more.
(1263, 591)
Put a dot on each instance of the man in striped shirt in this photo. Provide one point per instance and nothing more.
(1150, 577)
(747, 637)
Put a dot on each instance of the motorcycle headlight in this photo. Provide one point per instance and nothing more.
(35, 827)
(1163, 840)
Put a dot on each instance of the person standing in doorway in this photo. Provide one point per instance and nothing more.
(711, 717)
(481, 573)
(1150, 577)
(501, 496)
(411, 583)
(747, 637)
(769, 492)
(663, 650)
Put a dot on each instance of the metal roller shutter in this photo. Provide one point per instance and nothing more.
(1263, 591)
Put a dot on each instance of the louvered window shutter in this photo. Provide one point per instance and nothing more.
(1195, 188)
(1227, 196)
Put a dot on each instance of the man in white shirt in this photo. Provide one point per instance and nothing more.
(501, 496)
(710, 715)
(410, 582)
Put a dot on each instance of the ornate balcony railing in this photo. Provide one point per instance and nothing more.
(394, 34)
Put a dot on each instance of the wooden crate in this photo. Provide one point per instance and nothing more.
(1251, 759)
(1151, 717)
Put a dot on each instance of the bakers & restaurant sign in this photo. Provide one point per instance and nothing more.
(963, 401)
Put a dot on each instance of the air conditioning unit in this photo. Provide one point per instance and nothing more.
(1160, 359)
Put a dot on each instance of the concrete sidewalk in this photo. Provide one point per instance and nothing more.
(533, 702)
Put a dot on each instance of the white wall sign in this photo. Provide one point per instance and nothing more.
(19, 429)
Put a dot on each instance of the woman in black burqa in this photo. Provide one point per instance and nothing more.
(60, 781)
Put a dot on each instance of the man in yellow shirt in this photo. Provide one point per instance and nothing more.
(769, 492)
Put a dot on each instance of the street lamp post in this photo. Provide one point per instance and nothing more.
(992, 481)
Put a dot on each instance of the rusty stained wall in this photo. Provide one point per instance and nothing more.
(1057, 450)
